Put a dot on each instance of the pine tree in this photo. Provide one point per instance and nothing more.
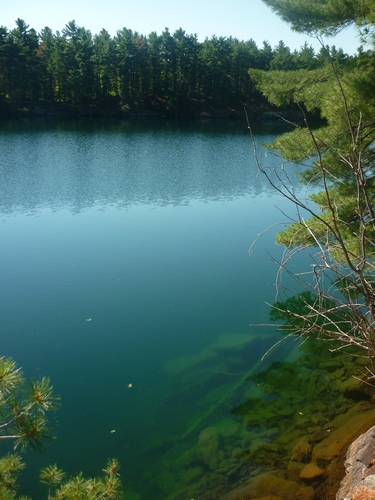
(338, 157)
(23, 420)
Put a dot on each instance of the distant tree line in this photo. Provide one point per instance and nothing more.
(165, 75)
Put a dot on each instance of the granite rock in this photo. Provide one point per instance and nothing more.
(360, 468)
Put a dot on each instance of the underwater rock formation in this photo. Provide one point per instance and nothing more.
(311, 472)
(208, 448)
(286, 436)
(269, 486)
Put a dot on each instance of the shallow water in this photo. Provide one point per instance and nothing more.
(126, 278)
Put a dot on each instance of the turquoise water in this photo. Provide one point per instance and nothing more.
(126, 278)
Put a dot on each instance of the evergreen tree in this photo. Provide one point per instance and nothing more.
(323, 16)
(49, 66)
(337, 157)
(104, 60)
(305, 58)
(167, 74)
(23, 420)
(4, 81)
(154, 58)
(282, 58)
(22, 66)
(76, 50)
(125, 54)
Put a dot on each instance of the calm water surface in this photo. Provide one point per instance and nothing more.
(125, 277)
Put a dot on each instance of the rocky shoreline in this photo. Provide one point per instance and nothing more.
(289, 446)
(314, 470)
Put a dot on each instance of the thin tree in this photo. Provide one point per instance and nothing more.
(335, 300)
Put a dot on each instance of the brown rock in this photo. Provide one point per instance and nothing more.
(311, 471)
(265, 485)
(306, 493)
(345, 428)
(319, 436)
(364, 494)
(269, 497)
(295, 466)
(359, 466)
(302, 451)
(293, 471)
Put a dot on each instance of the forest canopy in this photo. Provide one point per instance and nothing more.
(159, 74)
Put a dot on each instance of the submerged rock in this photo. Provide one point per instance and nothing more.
(193, 475)
(311, 471)
(265, 485)
(227, 427)
(343, 430)
(208, 447)
(270, 497)
(302, 450)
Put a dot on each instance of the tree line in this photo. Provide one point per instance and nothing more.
(162, 75)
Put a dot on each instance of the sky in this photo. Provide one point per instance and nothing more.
(242, 19)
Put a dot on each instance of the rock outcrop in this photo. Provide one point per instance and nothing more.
(359, 482)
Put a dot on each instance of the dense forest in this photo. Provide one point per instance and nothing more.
(132, 74)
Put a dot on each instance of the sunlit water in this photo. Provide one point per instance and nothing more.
(126, 278)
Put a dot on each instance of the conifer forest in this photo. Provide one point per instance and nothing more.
(162, 75)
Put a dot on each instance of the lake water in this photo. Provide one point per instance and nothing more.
(126, 278)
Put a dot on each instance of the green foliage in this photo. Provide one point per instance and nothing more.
(338, 158)
(293, 311)
(327, 16)
(283, 88)
(23, 419)
(168, 74)
(23, 409)
(315, 315)
(78, 487)
(10, 467)
(339, 155)
(52, 475)
(10, 378)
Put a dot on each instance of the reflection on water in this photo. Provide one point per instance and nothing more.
(144, 228)
(60, 165)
